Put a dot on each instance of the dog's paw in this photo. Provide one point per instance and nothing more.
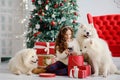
(29, 73)
(104, 75)
(95, 74)
(17, 72)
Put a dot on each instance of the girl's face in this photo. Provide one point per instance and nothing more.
(68, 35)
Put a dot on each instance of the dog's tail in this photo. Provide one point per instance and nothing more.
(114, 69)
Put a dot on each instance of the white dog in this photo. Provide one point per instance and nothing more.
(98, 51)
(86, 31)
(23, 62)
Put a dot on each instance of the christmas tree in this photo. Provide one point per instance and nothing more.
(48, 17)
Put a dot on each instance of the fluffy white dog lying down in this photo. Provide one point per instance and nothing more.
(98, 51)
(23, 62)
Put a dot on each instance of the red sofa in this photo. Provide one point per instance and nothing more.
(108, 28)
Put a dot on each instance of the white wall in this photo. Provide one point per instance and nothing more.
(97, 7)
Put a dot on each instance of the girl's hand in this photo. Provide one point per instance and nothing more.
(67, 52)
(73, 53)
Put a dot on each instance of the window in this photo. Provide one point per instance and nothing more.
(10, 27)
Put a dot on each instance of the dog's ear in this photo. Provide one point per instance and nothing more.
(92, 25)
(81, 26)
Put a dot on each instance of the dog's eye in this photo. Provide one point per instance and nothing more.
(85, 47)
(84, 30)
(32, 56)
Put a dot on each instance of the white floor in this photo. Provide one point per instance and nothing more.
(5, 74)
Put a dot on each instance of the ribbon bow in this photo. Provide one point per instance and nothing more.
(46, 48)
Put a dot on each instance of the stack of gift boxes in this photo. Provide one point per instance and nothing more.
(76, 67)
(45, 52)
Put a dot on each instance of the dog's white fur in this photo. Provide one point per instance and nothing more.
(99, 53)
(86, 31)
(23, 62)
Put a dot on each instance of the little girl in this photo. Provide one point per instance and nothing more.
(65, 45)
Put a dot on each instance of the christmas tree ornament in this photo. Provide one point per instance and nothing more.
(46, 7)
(65, 0)
(36, 13)
(37, 26)
(74, 21)
(42, 13)
(63, 19)
(53, 16)
(56, 6)
(53, 23)
(47, 1)
(33, 1)
(61, 4)
(75, 13)
(39, 2)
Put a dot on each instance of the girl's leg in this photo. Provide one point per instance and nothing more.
(56, 66)
(51, 68)
(63, 71)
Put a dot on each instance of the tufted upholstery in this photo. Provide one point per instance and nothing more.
(108, 28)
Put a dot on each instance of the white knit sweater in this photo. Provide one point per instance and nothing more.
(63, 57)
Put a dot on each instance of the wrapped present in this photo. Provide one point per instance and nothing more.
(87, 68)
(75, 60)
(45, 60)
(45, 47)
(76, 68)
(75, 72)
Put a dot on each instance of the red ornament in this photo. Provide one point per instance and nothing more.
(33, 1)
(75, 13)
(74, 21)
(61, 4)
(53, 23)
(47, 1)
(65, 0)
(36, 34)
(42, 13)
(56, 6)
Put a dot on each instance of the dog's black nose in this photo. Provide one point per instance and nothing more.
(81, 50)
(87, 33)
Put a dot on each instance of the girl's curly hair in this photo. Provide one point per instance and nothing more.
(61, 43)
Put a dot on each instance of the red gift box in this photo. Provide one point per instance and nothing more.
(45, 60)
(76, 63)
(75, 60)
(45, 47)
(87, 68)
(75, 72)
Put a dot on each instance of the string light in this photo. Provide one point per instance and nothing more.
(25, 5)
